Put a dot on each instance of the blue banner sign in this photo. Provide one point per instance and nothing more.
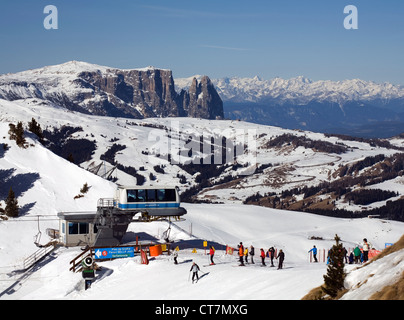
(114, 253)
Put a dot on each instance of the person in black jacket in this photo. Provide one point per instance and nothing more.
(252, 254)
(194, 269)
(281, 257)
(272, 255)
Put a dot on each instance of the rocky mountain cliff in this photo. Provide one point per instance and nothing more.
(98, 90)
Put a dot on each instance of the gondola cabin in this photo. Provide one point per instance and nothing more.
(162, 201)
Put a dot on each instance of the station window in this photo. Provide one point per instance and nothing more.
(78, 228)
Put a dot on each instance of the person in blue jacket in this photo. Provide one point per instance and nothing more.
(314, 250)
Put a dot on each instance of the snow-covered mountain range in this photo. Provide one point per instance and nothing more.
(300, 103)
(301, 90)
(94, 89)
(356, 107)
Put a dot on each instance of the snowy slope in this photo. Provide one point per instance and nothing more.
(146, 139)
(47, 185)
(227, 224)
(54, 182)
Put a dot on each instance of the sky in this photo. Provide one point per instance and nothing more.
(218, 38)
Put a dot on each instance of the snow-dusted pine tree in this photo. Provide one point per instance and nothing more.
(334, 279)
(12, 209)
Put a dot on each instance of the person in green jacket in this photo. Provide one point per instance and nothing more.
(357, 254)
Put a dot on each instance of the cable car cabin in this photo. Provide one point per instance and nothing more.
(163, 201)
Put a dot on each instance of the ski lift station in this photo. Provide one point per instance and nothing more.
(108, 225)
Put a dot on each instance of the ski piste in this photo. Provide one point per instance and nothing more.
(204, 274)
(214, 264)
(253, 265)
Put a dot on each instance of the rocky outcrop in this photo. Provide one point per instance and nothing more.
(202, 99)
(137, 93)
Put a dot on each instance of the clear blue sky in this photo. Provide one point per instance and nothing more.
(284, 38)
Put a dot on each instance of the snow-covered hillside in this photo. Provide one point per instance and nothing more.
(48, 184)
(148, 142)
(44, 184)
(224, 224)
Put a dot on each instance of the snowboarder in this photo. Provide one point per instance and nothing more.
(263, 257)
(194, 269)
(281, 257)
(241, 253)
(272, 255)
(246, 254)
(211, 253)
(252, 254)
(314, 250)
(175, 256)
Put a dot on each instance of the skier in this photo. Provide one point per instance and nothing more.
(281, 257)
(365, 247)
(246, 254)
(357, 254)
(241, 253)
(351, 258)
(211, 253)
(263, 257)
(314, 250)
(345, 255)
(252, 254)
(272, 255)
(194, 269)
(175, 256)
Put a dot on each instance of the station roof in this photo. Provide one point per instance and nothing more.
(77, 216)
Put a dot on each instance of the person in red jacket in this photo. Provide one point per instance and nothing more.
(263, 257)
(211, 253)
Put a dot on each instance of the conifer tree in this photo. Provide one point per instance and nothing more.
(35, 127)
(16, 133)
(85, 188)
(334, 279)
(12, 209)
